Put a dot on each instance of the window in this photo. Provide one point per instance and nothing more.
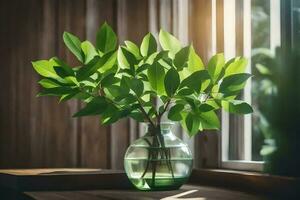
(251, 29)
(246, 28)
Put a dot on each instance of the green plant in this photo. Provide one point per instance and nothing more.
(144, 83)
(278, 110)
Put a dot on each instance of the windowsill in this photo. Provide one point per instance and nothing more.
(247, 181)
(243, 165)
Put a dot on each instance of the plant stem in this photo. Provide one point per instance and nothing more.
(144, 112)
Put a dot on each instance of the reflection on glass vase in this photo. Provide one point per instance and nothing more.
(159, 160)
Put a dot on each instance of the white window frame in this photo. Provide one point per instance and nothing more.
(230, 51)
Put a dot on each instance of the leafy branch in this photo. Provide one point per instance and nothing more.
(118, 81)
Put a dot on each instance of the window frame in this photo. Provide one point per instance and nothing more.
(230, 48)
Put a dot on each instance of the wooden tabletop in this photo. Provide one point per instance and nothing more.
(81, 184)
(187, 192)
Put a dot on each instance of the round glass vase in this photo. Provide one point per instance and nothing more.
(159, 160)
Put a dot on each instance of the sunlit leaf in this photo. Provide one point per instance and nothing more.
(148, 45)
(48, 83)
(133, 48)
(89, 51)
(169, 42)
(215, 66)
(156, 75)
(237, 66)
(106, 39)
(74, 45)
(209, 120)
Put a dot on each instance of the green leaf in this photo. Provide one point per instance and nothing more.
(135, 85)
(95, 107)
(138, 116)
(58, 91)
(133, 48)
(156, 57)
(66, 97)
(198, 81)
(88, 83)
(172, 82)
(96, 63)
(142, 68)
(71, 80)
(110, 115)
(45, 68)
(215, 66)
(185, 92)
(206, 107)
(115, 91)
(74, 45)
(236, 106)
(126, 99)
(106, 39)
(89, 69)
(156, 75)
(48, 83)
(60, 71)
(232, 84)
(194, 61)
(126, 59)
(209, 120)
(192, 124)
(174, 112)
(181, 58)
(237, 66)
(109, 80)
(169, 42)
(67, 69)
(148, 45)
(89, 51)
(110, 62)
(263, 69)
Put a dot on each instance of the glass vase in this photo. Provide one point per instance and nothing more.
(159, 160)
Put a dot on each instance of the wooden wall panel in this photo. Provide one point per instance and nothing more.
(18, 46)
(35, 132)
(201, 22)
(39, 132)
(201, 27)
(44, 34)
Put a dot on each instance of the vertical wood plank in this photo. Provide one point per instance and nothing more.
(201, 22)
(220, 48)
(95, 139)
(70, 17)
(40, 107)
(200, 29)
(5, 114)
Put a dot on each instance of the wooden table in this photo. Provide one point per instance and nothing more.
(187, 192)
(81, 184)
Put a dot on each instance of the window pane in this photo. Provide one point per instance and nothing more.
(263, 40)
